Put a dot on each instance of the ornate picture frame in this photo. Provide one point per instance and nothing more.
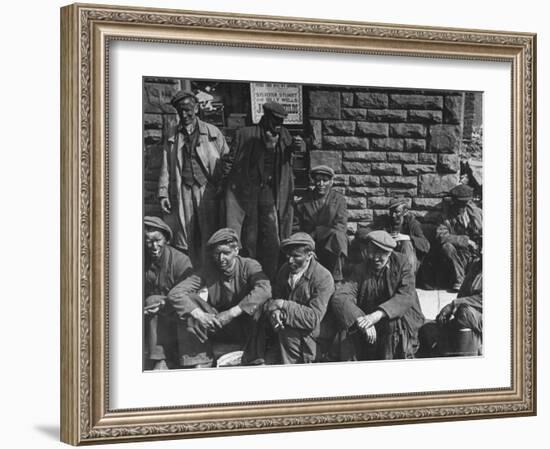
(87, 32)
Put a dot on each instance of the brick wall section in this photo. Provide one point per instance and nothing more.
(386, 143)
(159, 119)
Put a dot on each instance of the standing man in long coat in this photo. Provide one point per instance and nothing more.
(190, 178)
(377, 307)
(323, 214)
(260, 186)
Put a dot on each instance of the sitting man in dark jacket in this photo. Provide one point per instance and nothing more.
(165, 266)
(407, 232)
(301, 294)
(323, 214)
(377, 307)
(459, 231)
(236, 288)
(461, 321)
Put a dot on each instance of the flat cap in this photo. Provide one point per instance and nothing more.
(322, 170)
(276, 109)
(379, 238)
(462, 192)
(394, 202)
(223, 236)
(298, 239)
(182, 95)
(158, 224)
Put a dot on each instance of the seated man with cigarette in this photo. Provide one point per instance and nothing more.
(377, 306)
(301, 293)
(165, 266)
(236, 287)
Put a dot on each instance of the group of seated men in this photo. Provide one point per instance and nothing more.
(321, 305)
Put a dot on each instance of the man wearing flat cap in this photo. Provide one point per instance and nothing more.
(301, 293)
(236, 288)
(165, 266)
(190, 178)
(323, 214)
(377, 307)
(460, 232)
(407, 232)
(260, 185)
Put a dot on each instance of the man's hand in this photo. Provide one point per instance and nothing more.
(208, 320)
(225, 317)
(275, 304)
(370, 333)
(472, 245)
(398, 237)
(276, 319)
(153, 304)
(165, 205)
(446, 314)
(367, 321)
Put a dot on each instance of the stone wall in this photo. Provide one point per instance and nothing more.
(386, 143)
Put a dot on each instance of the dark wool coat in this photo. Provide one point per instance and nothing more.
(328, 225)
(251, 285)
(246, 160)
(160, 276)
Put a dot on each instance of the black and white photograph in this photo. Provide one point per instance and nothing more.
(303, 223)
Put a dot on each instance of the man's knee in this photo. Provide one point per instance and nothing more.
(467, 318)
(448, 249)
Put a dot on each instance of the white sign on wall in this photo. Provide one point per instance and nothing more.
(288, 95)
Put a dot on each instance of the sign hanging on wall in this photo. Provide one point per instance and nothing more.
(288, 95)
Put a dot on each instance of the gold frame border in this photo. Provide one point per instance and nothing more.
(85, 33)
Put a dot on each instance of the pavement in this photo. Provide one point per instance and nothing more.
(432, 301)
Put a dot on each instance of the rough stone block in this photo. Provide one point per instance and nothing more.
(365, 156)
(387, 144)
(341, 180)
(404, 101)
(437, 185)
(405, 182)
(317, 133)
(340, 189)
(347, 99)
(152, 121)
(351, 228)
(397, 191)
(452, 108)
(379, 202)
(364, 181)
(448, 163)
(365, 191)
(345, 143)
(369, 129)
(157, 97)
(379, 214)
(427, 203)
(339, 127)
(371, 100)
(444, 138)
(324, 104)
(360, 215)
(356, 202)
(418, 169)
(331, 158)
(412, 130)
(427, 158)
(152, 136)
(410, 158)
(415, 145)
(356, 167)
(427, 117)
(354, 113)
(384, 168)
(386, 115)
